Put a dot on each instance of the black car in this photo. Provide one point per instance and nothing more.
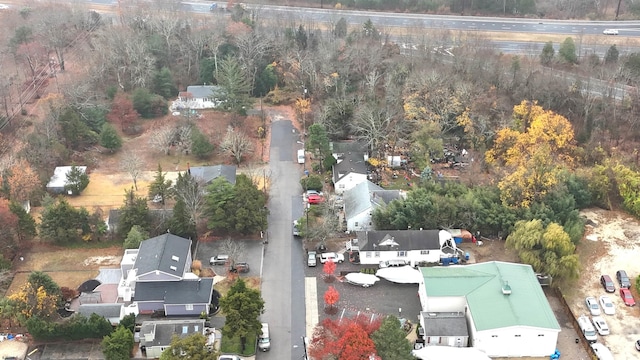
(623, 279)
(241, 267)
(607, 284)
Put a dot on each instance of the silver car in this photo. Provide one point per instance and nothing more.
(592, 305)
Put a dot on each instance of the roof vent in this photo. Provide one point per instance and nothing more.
(506, 289)
(176, 269)
(175, 258)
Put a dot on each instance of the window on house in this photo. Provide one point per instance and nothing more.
(494, 336)
(185, 329)
(189, 307)
(518, 335)
(341, 186)
(424, 252)
(368, 254)
(539, 335)
(355, 224)
(376, 254)
(402, 253)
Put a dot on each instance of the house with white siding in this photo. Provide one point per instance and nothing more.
(507, 314)
(362, 200)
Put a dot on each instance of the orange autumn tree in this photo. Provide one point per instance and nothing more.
(346, 338)
(328, 269)
(22, 181)
(331, 297)
(532, 153)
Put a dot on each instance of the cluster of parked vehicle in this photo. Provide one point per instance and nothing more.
(597, 325)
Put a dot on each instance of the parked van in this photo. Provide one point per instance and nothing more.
(264, 341)
(301, 156)
(393, 263)
(587, 329)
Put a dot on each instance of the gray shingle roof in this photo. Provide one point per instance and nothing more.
(197, 291)
(358, 199)
(203, 91)
(340, 147)
(165, 329)
(352, 162)
(158, 254)
(108, 311)
(405, 240)
(208, 173)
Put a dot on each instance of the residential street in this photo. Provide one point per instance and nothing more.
(283, 274)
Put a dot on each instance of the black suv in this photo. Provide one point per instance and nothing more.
(623, 279)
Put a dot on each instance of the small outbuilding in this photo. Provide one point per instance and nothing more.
(58, 181)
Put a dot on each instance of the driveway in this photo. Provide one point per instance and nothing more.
(252, 254)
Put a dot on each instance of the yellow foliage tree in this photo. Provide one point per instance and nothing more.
(533, 153)
(302, 108)
(30, 302)
(22, 181)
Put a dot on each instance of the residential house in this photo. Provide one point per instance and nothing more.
(506, 311)
(362, 200)
(198, 97)
(155, 336)
(59, 179)
(414, 246)
(157, 276)
(351, 167)
(113, 312)
(208, 173)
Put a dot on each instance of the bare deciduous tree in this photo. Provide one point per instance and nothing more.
(235, 249)
(184, 138)
(162, 139)
(236, 144)
(132, 163)
(191, 192)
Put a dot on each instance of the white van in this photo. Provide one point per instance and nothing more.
(264, 341)
(587, 329)
(301, 156)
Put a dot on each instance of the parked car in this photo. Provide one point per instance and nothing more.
(610, 31)
(607, 305)
(229, 357)
(331, 256)
(587, 329)
(602, 352)
(607, 284)
(623, 279)
(219, 260)
(296, 230)
(264, 341)
(592, 305)
(601, 325)
(315, 199)
(311, 258)
(240, 267)
(314, 192)
(626, 296)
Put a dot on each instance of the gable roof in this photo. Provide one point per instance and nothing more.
(203, 91)
(366, 195)
(481, 284)
(350, 162)
(394, 240)
(161, 253)
(341, 147)
(110, 312)
(165, 329)
(197, 291)
(59, 178)
(209, 173)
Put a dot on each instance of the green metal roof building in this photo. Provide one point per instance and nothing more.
(507, 312)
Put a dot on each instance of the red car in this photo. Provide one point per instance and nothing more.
(626, 296)
(315, 199)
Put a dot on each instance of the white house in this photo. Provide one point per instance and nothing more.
(198, 97)
(414, 246)
(351, 167)
(362, 200)
(506, 311)
(59, 179)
